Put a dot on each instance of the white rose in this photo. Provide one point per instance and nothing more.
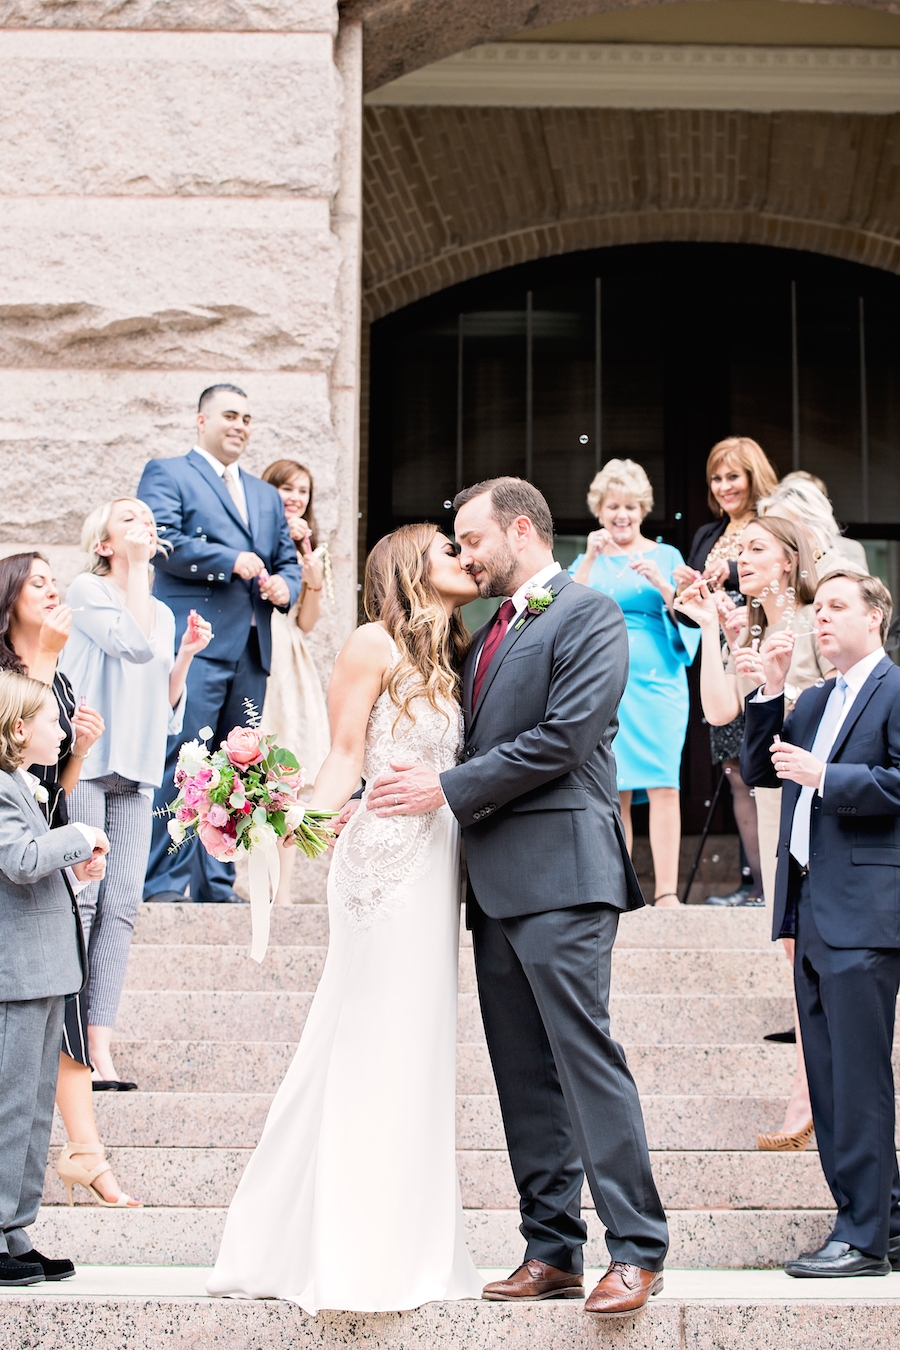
(176, 830)
(261, 835)
(41, 794)
(294, 815)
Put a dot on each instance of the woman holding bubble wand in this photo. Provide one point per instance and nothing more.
(776, 572)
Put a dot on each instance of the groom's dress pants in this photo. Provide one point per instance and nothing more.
(570, 1107)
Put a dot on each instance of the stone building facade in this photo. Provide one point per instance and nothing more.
(182, 187)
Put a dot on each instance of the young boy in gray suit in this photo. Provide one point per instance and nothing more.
(41, 962)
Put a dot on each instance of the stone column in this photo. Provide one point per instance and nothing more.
(179, 204)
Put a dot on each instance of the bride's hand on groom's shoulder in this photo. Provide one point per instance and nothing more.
(406, 790)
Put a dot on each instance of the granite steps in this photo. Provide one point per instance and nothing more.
(707, 1079)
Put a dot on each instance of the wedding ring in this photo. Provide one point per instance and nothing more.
(396, 799)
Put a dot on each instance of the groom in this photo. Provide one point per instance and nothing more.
(549, 873)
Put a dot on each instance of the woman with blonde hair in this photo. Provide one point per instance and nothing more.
(653, 715)
(797, 497)
(738, 473)
(777, 573)
(294, 710)
(121, 658)
(351, 1200)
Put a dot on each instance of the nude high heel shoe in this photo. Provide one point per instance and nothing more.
(72, 1174)
(785, 1143)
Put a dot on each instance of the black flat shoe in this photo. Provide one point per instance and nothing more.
(782, 1037)
(835, 1260)
(112, 1085)
(14, 1272)
(53, 1270)
(738, 897)
(165, 898)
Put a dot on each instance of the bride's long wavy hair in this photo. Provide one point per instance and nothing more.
(432, 643)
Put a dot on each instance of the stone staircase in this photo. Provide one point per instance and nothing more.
(208, 1034)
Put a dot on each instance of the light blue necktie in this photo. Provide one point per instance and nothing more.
(821, 749)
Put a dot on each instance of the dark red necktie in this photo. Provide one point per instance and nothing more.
(491, 643)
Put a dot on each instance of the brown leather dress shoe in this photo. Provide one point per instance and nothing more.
(532, 1281)
(623, 1290)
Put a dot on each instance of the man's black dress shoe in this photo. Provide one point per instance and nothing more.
(53, 1270)
(232, 898)
(836, 1259)
(18, 1272)
(894, 1252)
(782, 1037)
(165, 898)
(112, 1085)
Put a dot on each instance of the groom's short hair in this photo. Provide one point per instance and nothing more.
(510, 498)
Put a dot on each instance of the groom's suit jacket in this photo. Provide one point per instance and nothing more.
(195, 514)
(536, 789)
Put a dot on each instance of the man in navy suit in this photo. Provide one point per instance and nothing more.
(232, 559)
(837, 892)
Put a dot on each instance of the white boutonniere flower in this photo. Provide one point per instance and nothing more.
(41, 794)
(537, 599)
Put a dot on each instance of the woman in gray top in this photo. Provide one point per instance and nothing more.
(121, 659)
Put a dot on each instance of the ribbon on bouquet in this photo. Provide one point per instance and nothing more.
(264, 875)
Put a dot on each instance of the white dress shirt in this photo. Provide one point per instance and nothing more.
(235, 475)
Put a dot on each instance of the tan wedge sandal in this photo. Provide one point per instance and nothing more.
(72, 1174)
(786, 1143)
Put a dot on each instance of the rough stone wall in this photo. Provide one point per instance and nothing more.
(452, 193)
(176, 207)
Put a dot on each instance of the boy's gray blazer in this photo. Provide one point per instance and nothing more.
(41, 950)
(536, 790)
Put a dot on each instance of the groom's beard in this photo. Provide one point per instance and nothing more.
(498, 577)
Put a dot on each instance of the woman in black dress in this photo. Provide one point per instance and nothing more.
(737, 474)
(33, 631)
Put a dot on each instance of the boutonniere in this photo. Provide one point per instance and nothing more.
(537, 600)
(41, 795)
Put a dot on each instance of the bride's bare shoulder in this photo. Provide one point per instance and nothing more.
(369, 645)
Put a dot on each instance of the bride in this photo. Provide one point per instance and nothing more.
(351, 1199)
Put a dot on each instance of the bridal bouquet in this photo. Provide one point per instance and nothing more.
(246, 795)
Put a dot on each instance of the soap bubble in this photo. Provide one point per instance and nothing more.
(790, 592)
(584, 439)
(447, 506)
(755, 630)
(804, 574)
(715, 857)
(728, 771)
(820, 684)
(780, 600)
(773, 585)
(756, 603)
(753, 792)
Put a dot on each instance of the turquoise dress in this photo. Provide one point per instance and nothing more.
(653, 714)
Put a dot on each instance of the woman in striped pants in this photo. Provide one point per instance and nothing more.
(121, 659)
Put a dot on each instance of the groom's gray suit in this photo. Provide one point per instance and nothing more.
(548, 875)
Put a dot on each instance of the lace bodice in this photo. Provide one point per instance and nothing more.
(376, 858)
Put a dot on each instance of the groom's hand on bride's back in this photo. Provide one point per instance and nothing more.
(406, 790)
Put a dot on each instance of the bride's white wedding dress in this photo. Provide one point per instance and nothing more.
(351, 1199)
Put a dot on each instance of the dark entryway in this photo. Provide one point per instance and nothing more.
(653, 352)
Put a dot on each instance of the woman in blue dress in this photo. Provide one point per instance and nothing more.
(653, 714)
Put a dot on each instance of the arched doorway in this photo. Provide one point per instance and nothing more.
(652, 351)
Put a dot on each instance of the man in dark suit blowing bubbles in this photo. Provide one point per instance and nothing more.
(232, 558)
(838, 890)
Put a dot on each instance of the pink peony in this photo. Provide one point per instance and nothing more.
(204, 777)
(242, 747)
(217, 815)
(193, 795)
(216, 842)
(184, 814)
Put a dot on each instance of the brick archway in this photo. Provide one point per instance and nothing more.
(404, 35)
(454, 193)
